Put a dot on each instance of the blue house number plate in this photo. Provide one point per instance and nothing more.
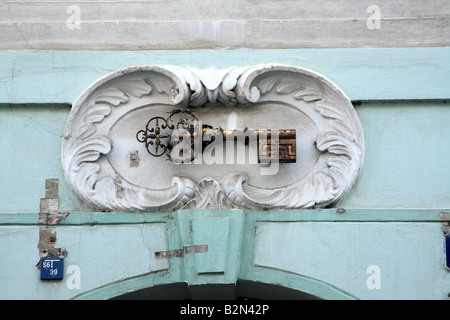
(52, 268)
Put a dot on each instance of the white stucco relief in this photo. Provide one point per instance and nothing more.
(108, 168)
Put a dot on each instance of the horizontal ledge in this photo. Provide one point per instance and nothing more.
(355, 103)
(36, 105)
(313, 215)
(197, 34)
(219, 21)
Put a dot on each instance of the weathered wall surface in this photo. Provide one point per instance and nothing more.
(405, 164)
(363, 74)
(385, 240)
(174, 24)
(359, 254)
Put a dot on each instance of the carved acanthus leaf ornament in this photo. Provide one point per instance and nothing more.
(97, 139)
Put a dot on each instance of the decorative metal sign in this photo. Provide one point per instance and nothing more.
(301, 134)
(159, 139)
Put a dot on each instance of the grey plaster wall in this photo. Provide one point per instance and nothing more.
(231, 24)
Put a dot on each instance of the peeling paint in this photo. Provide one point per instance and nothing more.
(445, 222)
(49, 206)
(47, 239)
(49, 214)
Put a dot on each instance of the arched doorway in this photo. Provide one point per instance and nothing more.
(243, 289)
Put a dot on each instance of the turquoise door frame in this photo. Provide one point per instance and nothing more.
(324, 253)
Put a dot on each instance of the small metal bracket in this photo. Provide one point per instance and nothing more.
(180, 253)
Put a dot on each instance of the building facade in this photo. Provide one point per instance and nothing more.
(88, 212)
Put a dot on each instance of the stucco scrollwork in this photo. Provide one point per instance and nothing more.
(98, 139)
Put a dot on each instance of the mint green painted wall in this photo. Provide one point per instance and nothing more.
(391, 216)
(406, 158)
(405, 163)
(363, 74)
(320, 252)
(31, 144)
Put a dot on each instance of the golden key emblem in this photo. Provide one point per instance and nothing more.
(159, 138)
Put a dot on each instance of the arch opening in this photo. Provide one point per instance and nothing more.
(242, 290)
